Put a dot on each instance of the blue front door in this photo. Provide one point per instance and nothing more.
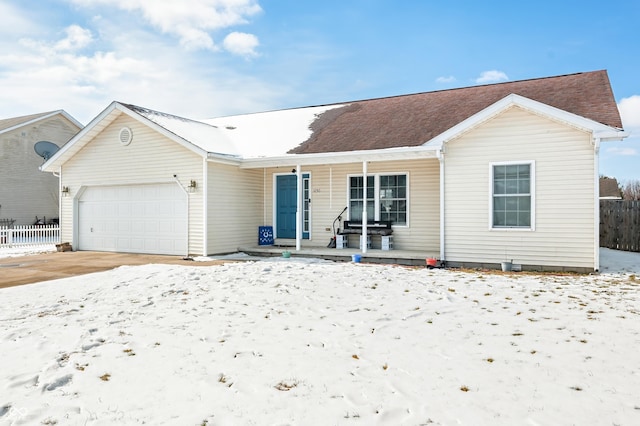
(286, 200)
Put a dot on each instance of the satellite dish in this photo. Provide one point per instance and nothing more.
(45, 149)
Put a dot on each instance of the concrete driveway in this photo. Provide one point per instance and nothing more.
(51, 266)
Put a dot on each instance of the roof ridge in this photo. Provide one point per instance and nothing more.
(453, 89)
(143, 110)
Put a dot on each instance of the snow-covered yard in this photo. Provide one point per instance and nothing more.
(303, 342)
(25, 251)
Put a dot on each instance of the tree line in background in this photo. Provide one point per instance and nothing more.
(630, 190)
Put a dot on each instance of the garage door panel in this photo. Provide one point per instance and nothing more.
(136, 244)
(134, 218)
(125, 210)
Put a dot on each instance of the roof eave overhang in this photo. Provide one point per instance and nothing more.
(611, 135)
(327, 158)
(585, 124)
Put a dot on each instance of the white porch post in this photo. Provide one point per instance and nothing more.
(440, 154)
(364, 207)
(596, 204)
(298, 208)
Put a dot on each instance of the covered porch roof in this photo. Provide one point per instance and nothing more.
(293, 160)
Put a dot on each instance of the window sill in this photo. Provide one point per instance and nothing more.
(512, 229)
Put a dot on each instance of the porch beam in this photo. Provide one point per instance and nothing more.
(389, 154)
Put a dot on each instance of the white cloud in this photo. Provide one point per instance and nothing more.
(449, 79)
(242, 44)
(77, 38)
(630, 113)
(47, 61)
(190, 22)
(626, 152)
(13, 20)
(44, 75)
(84, 67)
(493, 76)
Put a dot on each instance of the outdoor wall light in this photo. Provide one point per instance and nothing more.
(65, 191)
(192, 186)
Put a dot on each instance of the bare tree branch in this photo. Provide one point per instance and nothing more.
(631, 190)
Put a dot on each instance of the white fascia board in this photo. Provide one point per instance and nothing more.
(389, 154)
(69, 117)
(611, 135)
(224, 159)
(106, 117)
(535, 107)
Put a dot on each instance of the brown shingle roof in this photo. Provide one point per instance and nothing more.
(412, 120)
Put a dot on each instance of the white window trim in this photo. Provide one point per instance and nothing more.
(376, 194)
(532, 189)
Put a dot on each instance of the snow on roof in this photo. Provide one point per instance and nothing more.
(206, 136)
(398, 122)
(269, 134)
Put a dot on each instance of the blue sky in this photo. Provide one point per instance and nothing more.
(206, 58)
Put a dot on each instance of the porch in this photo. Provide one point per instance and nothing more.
(398, 257)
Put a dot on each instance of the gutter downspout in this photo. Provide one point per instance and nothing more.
(298, 207)
(440, 155)
(364, 207)
(59, 176)
(205, 209)
(596, 203)
(175, 177)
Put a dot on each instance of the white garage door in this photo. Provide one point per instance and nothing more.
(133, 219)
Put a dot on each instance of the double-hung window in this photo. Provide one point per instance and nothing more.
(393, 198)
(512, 200)
(386, 198)
(356, 197)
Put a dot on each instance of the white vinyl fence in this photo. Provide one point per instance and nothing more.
(27, 236)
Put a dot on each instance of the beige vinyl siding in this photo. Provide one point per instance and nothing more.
(235, 207)
(149, 158)
(564, 193)
(329, 186)
(26, 192)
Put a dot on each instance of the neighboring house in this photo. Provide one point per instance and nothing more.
(610, 189)
(26, 192)
(475, 176)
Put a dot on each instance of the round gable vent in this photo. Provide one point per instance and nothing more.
(125, 136)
